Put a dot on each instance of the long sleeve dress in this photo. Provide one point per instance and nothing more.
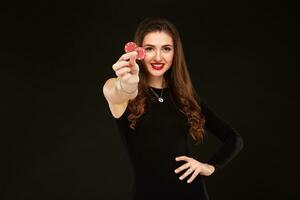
(161, 135)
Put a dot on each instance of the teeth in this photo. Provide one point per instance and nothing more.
(157, 65)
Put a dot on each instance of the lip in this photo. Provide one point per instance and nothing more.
(157, 66)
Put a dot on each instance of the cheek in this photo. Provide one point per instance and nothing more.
(147, 59)
(146, 62)
(170, 57)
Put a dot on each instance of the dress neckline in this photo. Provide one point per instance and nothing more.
(158, 88)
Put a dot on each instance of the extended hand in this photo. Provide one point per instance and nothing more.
(193, 166)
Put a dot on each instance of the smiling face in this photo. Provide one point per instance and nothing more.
(159, 53)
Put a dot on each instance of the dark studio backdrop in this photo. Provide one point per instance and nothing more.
(58, 138)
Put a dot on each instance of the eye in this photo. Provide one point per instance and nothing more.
(167, 49)
(149, 49)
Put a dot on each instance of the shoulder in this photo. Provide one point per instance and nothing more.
(201, 101)
(205, 109)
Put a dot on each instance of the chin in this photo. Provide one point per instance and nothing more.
(156, 73)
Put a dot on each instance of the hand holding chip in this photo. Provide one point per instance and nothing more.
(126, 67)
(131, 46)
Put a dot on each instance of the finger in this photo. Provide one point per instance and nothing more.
(132, 61)
(122, 71)
(120, 64)
(182, 158)
(135, 68)
(126, 77)
(183, 167)
(189, 171)
(127, 56)
(194, 175)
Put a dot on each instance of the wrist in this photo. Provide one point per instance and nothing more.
(127, 88)
(210, 167)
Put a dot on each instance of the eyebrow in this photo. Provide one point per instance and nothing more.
(151, 45)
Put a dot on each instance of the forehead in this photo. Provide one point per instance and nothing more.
(158, 38)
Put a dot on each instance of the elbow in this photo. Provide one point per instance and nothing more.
(239, 142)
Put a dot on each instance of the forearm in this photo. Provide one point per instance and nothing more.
(124, 91)
(228, 151)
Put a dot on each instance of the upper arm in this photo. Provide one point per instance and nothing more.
(216, 124)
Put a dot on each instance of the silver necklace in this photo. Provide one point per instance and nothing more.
(160, 99)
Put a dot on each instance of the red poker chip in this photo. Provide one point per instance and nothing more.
(141, 53)
(130, 46)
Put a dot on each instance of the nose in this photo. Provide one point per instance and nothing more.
(158, 56)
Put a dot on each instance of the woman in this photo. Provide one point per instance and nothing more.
(156, 109)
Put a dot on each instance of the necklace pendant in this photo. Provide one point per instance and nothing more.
(160, 99)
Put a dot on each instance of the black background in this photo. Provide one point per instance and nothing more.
(58, 138)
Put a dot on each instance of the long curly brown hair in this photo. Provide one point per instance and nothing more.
(177, 78)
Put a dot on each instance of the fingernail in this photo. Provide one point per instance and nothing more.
(175, 171)
(180, 178)
(188, 181)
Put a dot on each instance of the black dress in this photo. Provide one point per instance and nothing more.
(160, 136)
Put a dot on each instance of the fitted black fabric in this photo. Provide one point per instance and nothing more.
(161, 135)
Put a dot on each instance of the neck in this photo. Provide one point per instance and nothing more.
(157, 82)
